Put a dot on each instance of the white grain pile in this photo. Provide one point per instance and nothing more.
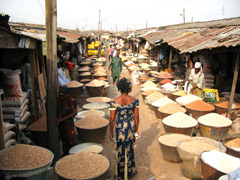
(149, 84)
(96, 106)
(179, 120)
(162, 102)
(184, 100)
(155, 96)
(172, 139)
(215, 120)
(74, 84)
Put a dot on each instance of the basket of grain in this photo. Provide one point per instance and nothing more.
(95, 88)
(190, 150)
(105, 90)
(75, 88)
(23, 159)
(168, 145)
(214, 126)
(163, 76)
(39, 133)
(83, 70)
(99, 74)
(90, 112)
(232, 145)
(85, 81)
(184, 100)
(86, 147)
(92, 128)
(153, 97)
(178, 94)
(85, 75)
(145, 94)
(97, 106)
(159, 103)
(87, 63)
(222, 108)
(199, 108)
(216, 164)
(170, 109)
(179, 123)
(83, 166)
(99, 99)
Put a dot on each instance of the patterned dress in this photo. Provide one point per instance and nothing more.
(125, 128)
(116, 66)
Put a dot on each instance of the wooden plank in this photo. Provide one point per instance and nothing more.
(158, 58)
(34, 83)
(52, 81)
(233, 85)
(2, 142)
(170, 60)
(41, 85)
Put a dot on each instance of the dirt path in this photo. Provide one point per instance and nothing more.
(148, 155)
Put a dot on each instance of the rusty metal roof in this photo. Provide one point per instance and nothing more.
(38, 32)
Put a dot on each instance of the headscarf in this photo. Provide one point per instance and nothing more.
(65, 103)
(198, 65)
(129, 83)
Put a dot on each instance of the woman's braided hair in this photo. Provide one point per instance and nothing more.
(124, 85)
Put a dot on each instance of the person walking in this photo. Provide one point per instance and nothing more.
(110, 53)
(124, 115)
(116, 67)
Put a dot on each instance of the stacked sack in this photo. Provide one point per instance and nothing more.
(15, 104)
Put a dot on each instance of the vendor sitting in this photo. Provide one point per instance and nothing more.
(196, 77)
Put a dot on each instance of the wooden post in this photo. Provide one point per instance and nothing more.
(233, 85)
(52, 81)
(170, 60)
(2, 142)
(158, 59)
(99, 23)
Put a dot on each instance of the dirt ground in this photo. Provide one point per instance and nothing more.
(148, 156)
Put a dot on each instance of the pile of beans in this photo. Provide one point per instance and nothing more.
(155, 96)
(92, 122)
(82, 165)
(99, 99)
(146, 93)
(90, 113)
(74, 84)
(200, 105)
(225, 105)
(171, 108)
(39, 125)
(215, 120)
(23, 156)
(166, 81)
(179, 120)
(172, 139)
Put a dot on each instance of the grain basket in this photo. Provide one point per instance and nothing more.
(196, 114)
(75, 92)
(96, 77)
(231, 151)
(191, 161)
(169, 152)
(94, 91)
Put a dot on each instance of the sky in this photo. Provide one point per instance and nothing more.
(120, 15)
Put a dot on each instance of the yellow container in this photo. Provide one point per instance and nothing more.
(211, 95)
(90, 52)
(102, 53)
(95, 52)
(90, 46)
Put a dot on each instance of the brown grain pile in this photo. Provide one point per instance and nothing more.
(165, 75)
(225, 105)
(39, 125)
(171, 108)
(92, 122)
(102, 79)
(99, 73)
(22, 156)
(95, 83)
(155, 96)
(200, 105)
(90, 113)
(84, 69)
(82, 165)
(233, 143)
(146, 93)
(172, 139)
(85, 74)
(99, 99)
(74, 84)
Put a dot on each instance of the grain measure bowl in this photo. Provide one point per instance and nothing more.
(222, 108)
(75, 88)
(234, 149)
(190, 150)
(15, 158)
(87, 147)
(168, 146)
(99, 99)
(92, 166)
(214, 126)
(95, 90)
(179, 123)
(170, 109)
(98, 106)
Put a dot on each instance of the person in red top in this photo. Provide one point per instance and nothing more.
(110, 53)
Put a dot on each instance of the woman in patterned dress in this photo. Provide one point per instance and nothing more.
(125, 117)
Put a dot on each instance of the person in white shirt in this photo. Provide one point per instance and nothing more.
(196, 75)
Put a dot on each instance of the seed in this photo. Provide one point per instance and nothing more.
(225, 105)
(73, 84)
(82, 165)
(155, 96)
(92, 122)
(146, 93)
(200, 105)
(162, 102)
(22, 156)
(39, 125)
(90, 113)
(172, 139)
(215, 120)
(171, 108)
(99, 99)
(184, 100)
